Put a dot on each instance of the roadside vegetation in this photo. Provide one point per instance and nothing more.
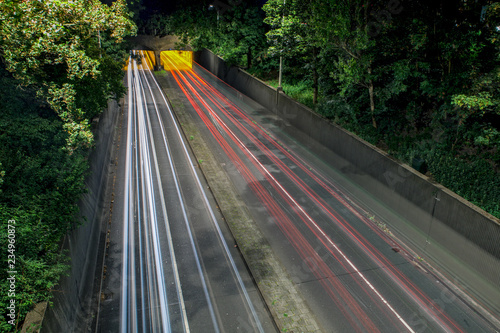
(420, 80)
(60, 62)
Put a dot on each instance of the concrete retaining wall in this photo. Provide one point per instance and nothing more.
(72, 310)
(446, 229)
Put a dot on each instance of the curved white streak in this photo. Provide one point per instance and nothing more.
(167, 226)
(142, 269)
(212, 215)
(158, 266)
(191, 238)
(127, 207)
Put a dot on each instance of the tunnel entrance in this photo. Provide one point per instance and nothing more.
(177, 60)
(168, 60)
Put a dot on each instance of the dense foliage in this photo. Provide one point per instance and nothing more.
(235, 30)
(418, 79)
(60, 61)
(63, 50)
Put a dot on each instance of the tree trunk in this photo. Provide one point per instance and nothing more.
(372, 100)
(315, 78)
(249, 58)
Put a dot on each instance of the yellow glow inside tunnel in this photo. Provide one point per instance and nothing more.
(150, 59)
(146, 58)
(177, 60)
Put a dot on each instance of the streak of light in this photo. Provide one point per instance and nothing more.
(177, 60)
(150, 60)
(213, 218)
(373, 253)
(297, 239)
(162, 321)
(369, 249)
(142, 265)
(127, 212)
(140, 214)
(192, 241)
(167, 223)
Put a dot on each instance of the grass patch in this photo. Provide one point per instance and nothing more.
(302, 92)
(161, 72)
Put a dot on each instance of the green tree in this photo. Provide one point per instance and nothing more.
(240, 34)
(158, 25)
(482, 96)
(342, 26)
(41, 185)
(195, 27)
(292, 35)
(56, 46)
(417, 78)
(60, 62)
(233, 30)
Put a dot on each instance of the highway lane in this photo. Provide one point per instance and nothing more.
(355, 277)
(178, 268)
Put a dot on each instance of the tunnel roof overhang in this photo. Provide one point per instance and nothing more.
(154, 43)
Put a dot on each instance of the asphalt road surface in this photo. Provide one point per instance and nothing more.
(352, 273)
(171, 264)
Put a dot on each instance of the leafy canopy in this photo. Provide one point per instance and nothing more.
(56, 47)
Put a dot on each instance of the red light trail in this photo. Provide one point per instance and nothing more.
(211, 106)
